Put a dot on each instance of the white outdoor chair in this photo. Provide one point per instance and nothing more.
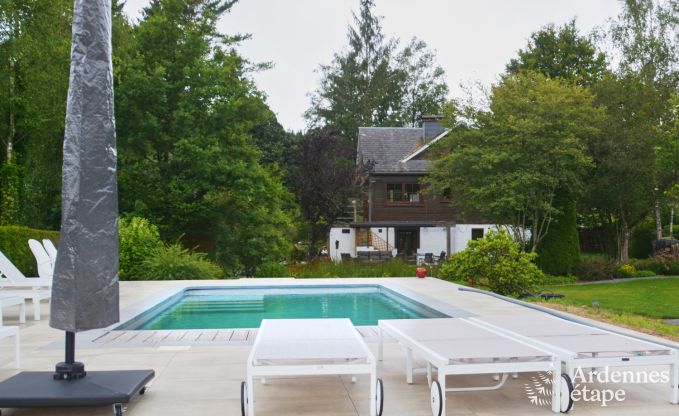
(13, 331)
(34, 295)
(11, 300)
(14, 283)
(45, 267)
(11, 277)
(51, 250)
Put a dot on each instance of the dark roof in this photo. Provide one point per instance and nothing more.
(386, 146)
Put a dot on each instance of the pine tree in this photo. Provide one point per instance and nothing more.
(373, 84)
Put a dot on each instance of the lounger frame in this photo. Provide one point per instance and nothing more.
(573, 359)
(257, 370)
(446, 368)
(35, 295)
(11, 300)
(13, 331)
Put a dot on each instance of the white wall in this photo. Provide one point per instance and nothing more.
(433, 240)
(461, 234)
(347, 242)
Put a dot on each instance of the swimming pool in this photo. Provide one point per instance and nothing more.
(212, 308)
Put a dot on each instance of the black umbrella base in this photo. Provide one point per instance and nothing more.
(98, 388)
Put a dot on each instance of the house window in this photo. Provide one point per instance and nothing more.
(394, 192)
(477, 233)
(408, 193)
(346, 231)
(412, 191)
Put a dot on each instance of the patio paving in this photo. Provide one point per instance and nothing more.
(204, 379)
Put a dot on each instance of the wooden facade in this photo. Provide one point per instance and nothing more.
(434, 209)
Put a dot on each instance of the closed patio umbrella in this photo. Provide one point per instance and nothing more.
(85, 282)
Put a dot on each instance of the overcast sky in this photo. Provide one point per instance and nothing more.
(474, 39)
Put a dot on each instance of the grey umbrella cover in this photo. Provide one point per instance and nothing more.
(85, 286)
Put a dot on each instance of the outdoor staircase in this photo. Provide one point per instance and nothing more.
(382, 250)
(380, 243)
(347, 215)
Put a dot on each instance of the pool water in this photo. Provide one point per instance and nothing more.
(245, 308)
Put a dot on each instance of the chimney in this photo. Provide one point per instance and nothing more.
(431, 126)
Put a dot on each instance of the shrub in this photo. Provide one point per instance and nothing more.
(644, 273)
(551, 280)
(641, 240)
(652, 264)
(626, 270)
(559, 251)
(497, 262)
(320, 268)
(172, 262)
(597, 268)
(658, 266)
(271, 269)
(139, 239)
(14, 245)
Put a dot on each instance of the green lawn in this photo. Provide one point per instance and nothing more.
(654, 298)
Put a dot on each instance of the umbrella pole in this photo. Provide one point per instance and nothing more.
(70, 369)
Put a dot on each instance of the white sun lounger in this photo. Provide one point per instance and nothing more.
(13, 331)
(42, 259)
(10, 276)
(583, 346)
(11, 300)
(51, 250)
(456, 346)
(309, 347)
(34, 295)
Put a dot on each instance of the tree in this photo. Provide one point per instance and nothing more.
(619, 194)
(359, 87)
(672, 196)
(323, 180)
(34, 66)
(647, 35)
(561, 52)
(510, 161)
(424, 87)
(372, 84)
(276, 145)
(559, 252)
(185, 109)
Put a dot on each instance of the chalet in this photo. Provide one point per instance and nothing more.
(398, 218)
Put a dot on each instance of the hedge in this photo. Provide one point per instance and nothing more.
(14, 245)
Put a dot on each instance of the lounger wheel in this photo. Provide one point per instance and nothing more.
(142, 391)
(436, 399)
(379, 398)
(118, 409)
(243, 398)
(566, 393)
